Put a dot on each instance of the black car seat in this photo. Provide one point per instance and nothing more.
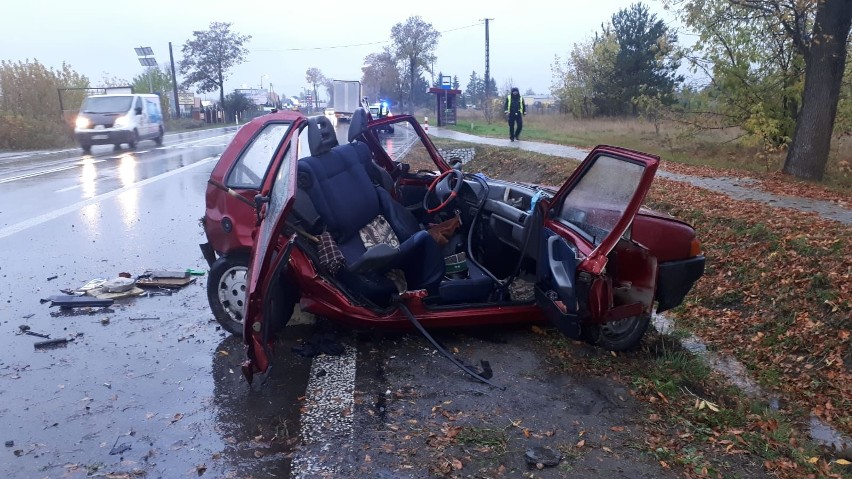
(357, 127)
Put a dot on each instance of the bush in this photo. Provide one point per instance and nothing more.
(21, 133)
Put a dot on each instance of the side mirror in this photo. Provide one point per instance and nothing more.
(138, 110)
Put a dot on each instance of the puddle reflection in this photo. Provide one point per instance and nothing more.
(88, 177)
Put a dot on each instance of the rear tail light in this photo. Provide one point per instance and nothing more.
(694, 247)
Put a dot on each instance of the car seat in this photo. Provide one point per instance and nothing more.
(357, 127)
(336, 180)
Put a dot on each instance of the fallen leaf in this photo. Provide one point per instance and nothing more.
(367, 458)
(607, 449)
(177, 417)
(813, 460)
(843, 462)
(581, 443)
(457, 465)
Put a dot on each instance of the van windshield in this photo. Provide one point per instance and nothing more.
(107, 104)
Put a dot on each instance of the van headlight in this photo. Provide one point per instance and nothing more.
(82, 122)
(122, 121)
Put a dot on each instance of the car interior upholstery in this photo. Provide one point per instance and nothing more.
(337, 193)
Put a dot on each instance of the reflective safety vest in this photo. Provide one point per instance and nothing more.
(509, 104)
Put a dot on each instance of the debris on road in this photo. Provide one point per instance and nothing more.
(52, 278)
(51, 343)
(78, 302)
(144, 319)
(152, 282)
(123, 447)
(542, 455)
(10, 443)
(25, 329)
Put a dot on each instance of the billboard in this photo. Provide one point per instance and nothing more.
(258, 96)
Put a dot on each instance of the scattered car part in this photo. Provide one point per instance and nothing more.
(51, 342)
(79, 302)
(443, 350)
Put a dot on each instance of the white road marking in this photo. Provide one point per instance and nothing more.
(330, 406)
(38, 173)
(41, 219)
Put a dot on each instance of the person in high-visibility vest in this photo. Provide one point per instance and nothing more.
(515, 109)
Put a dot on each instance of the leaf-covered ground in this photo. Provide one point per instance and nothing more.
(777, 292)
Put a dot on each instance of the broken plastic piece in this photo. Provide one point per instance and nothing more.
(78, 302)
(50, 343)
(169, 274)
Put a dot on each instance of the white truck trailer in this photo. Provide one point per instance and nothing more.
(347, 98)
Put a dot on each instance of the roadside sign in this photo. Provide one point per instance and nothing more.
(186, 98)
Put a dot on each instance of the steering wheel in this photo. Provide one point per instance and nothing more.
(442, 190)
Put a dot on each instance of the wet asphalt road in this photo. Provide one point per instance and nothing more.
(163, 395)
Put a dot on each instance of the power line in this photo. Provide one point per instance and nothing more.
(331, 47)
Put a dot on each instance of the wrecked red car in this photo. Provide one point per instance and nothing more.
(380, 231)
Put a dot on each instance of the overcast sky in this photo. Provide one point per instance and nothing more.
(97, 38)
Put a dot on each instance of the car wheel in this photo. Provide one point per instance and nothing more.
(86, 148)
(227, 287)
(134, 139)
(159, 138)
(622, 335)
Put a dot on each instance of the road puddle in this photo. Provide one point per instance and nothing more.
(736, 372)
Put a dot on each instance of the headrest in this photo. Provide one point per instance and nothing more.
(358, 123)
(321, 135)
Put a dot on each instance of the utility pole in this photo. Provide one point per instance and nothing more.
(174, 82)
(487, 64)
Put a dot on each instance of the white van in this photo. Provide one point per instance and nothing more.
(119, 118)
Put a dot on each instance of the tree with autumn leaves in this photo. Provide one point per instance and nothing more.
(774, 68)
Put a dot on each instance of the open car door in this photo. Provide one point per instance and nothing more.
(270, 249)
(582, 225)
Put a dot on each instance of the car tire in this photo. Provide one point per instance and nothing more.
(623, 335)
(159, 138)
(86, 148)
(227, 286)
(134, 139)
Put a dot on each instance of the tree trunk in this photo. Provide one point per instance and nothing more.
(824, 64)
(221, 86)
(412, 69)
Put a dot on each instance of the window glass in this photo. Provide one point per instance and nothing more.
(106, 104)
(277, 200)
(250, 168)
(403, 144)
(302, 146)
(599, 199)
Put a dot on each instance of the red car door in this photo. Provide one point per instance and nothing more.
(582, 224)
(269, 250)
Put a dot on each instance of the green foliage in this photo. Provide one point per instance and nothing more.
(755, 69)
(29, 104)
(414, 44)
(237, 103)
(314, 77)
(382, 77)
(645, 62)
(209, 55)
(632, 57)
(156, 80)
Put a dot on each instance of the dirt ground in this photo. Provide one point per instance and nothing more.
(417, 416)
